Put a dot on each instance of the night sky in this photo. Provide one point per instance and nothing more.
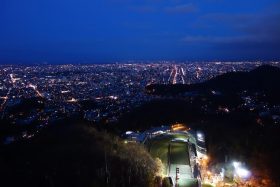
(96, 31)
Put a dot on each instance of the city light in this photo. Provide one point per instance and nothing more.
(205, 157)
(179, 127)
(106, 94)
(236, 164)
(240, 171)
(128, 132)
(200, 137)
(243, 173)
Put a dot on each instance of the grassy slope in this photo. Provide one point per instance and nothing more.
(179, 153)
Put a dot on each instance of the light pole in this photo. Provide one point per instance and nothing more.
(177, 177)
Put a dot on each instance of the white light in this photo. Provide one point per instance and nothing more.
(222, 173)
(236, 164)
(243, 173)
(240, 171)
(205, 157)
(200, 137)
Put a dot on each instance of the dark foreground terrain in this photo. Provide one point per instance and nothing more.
(74, 154)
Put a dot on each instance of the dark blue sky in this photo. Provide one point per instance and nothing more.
(61, 31)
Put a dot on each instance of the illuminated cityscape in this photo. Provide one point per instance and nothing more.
(34, 97)
(114, 88)
(139, 93)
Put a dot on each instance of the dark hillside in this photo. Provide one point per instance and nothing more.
(264, 78)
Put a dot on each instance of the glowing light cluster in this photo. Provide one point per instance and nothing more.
(240, 171)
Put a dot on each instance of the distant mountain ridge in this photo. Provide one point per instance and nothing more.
(264, 78)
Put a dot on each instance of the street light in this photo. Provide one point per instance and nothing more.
(241, 171)
(200, 136)
(236, 164)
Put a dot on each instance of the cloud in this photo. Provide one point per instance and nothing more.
(247, 36)
(267, 27)
(219, 39)
(185, 8)
(244, 28)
